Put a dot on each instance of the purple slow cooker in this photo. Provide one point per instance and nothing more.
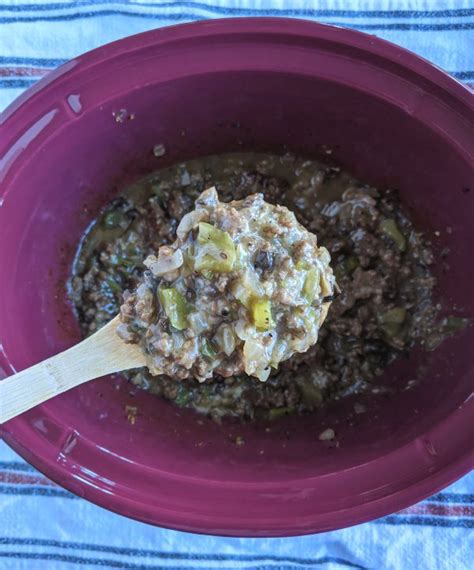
(275, 85)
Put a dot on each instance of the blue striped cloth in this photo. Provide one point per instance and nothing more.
(37, 36)
(44, 527)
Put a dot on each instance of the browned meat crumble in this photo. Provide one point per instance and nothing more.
(382, 265)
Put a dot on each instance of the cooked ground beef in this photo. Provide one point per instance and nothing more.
(243, 288)
(381, 262)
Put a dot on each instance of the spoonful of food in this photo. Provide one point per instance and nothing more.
(243, 288)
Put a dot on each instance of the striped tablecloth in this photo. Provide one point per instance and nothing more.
(41, 525)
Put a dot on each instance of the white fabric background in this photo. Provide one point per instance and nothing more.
(42, 526)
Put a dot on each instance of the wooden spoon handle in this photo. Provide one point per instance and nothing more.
(100, 354)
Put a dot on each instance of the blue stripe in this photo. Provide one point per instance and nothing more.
(465, 498)
(11, 82)
(130, 565)
(224, 10)
(464, 75)
(398, 520)
(77, 560)
(180, 17)
(40, 491)
(173, 555)
(31, 61)
(16, 466)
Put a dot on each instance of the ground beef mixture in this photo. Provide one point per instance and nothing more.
(382, 265)
(241, 289)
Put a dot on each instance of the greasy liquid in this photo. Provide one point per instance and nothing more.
(358, 340)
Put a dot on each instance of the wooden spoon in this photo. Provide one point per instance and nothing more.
(98, 355)
(102, 353)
